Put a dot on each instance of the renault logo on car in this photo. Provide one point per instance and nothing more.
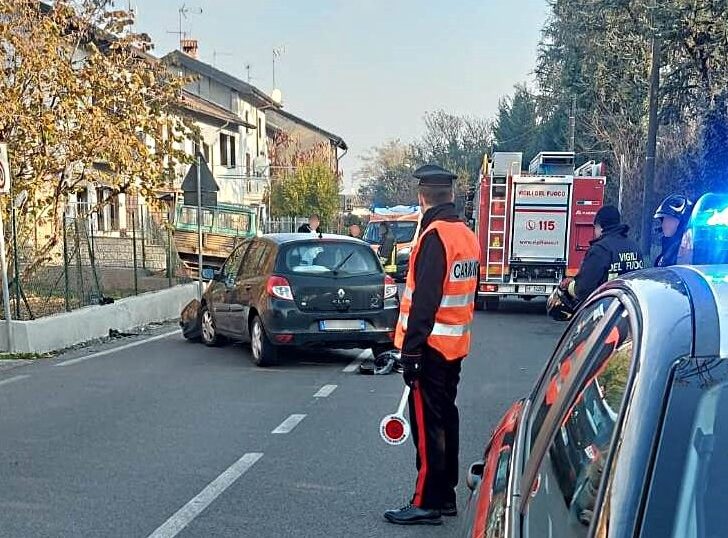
(341, 293)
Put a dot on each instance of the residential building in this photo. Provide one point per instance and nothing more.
(288, 135)
(231, 116)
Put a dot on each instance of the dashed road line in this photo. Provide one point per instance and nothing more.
(184, 516)
(287, 425)
(13, 379)
(352, 367)
(119, 348)
(325, 391)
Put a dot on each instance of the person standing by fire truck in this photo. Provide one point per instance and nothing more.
(611, 253)
(433, 334)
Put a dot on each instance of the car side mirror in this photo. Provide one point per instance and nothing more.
(209, 273)
(475, 475)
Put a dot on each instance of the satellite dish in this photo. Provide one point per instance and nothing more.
(276, 96)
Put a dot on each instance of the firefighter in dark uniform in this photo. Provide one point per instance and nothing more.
(611, 253)
(433, 334)
(673, 213)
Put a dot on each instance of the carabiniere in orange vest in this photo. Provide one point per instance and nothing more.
(450, 334)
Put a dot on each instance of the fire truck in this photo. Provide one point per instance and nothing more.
(534, 227)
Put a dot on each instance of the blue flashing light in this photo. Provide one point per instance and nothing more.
(719, 217)
(705, 241)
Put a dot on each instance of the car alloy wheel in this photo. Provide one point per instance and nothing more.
(209, 333)
(256, 340)
(264, 353)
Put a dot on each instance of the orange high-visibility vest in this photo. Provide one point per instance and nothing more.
(450, 334)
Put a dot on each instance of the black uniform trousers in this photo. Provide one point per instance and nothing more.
(435, 425)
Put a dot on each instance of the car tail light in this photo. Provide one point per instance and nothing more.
(390, 287)
(280, 288)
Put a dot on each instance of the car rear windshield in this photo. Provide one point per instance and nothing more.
(404, 231)
(688, 496)
(327, 258)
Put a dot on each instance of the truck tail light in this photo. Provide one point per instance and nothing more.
(279, 288)
(390, 287)
(489, 288)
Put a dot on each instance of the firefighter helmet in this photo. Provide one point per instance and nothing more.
(676, 206)
(560, 306)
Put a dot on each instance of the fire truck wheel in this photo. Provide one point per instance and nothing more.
(492, 303)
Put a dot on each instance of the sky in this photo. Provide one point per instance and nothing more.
(366, 70)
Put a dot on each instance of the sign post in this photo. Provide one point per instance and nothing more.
(5, 189)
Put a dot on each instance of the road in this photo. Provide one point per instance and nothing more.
(165, 438)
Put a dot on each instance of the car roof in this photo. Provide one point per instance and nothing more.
(286, 238)
(699, 293)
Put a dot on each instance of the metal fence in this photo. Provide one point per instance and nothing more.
(89, 267)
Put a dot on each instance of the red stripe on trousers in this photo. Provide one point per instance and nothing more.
(421, 446)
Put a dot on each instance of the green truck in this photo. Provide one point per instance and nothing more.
(223, 227)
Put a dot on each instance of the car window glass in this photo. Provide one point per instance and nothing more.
(571, 348)
(688, 493)
(253, 260)
(564, 494)
(232, 264)
(322, 258)
(404, 231)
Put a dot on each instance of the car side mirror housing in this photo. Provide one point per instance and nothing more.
(475, 475)
(209, 273)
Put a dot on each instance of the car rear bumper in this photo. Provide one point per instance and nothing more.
(285, 324)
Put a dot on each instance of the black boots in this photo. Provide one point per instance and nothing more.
(413, 515)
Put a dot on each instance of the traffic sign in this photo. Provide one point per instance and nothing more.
(4, 169)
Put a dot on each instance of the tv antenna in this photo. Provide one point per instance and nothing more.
(183, 12)
(277, 53)
(248, 67)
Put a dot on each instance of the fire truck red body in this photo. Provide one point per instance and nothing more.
(534, 228)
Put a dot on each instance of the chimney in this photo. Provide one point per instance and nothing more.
(190, 47)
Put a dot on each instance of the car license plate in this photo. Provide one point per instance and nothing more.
(342, 325)
(534, 289)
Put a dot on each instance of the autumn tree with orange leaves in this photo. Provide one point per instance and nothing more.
(81, 102)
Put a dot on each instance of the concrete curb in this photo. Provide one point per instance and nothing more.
(65, 330)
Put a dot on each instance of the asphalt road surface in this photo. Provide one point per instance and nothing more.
(159, 437)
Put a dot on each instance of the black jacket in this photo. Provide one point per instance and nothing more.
(386, 245)
(670, 250)
(306, 229)
(430, 270)
(610, 255)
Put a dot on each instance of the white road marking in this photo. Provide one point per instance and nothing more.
(352, 367)
(174, 525)
(288, 424)
(13, 379)
(325, 391)
(119, 348)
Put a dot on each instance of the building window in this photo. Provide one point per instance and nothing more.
(227, 150)
(247, 164)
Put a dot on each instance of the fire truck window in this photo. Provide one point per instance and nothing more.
(571, 347)
(564, 496)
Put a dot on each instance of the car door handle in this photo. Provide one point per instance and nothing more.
(248, 288)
